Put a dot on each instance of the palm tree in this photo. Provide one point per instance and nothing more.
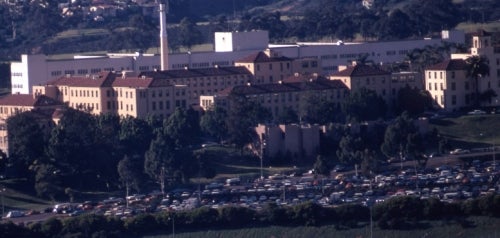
(477, 67)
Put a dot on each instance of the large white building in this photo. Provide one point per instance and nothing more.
(229, 47)
(450, 86)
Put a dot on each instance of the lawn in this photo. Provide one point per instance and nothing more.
(477, 227)
(16, 195)
(471, 130)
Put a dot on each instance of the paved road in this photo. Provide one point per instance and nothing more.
(33, 218)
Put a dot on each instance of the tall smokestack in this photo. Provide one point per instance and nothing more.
(163, 37)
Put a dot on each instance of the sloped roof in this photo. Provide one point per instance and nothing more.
(27, 100)
(192, 73)
(283, 87)
(132, 82)
(481, 32)
(451, 64)
(304, 78)
(360, 70)
(261, 57)
(101, 79)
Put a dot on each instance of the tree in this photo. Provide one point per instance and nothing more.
(47, 181)
(213, 123)
(27, 140)
(287, 116)
(183, 127)
(321, 166)
(129, 173)
(477, 67)
(349, 149)
(413, 100)
(135, 136)
(159, 161)
(243, 117)
(397, 136)
(314, 108)
(363, 105)
(72, 149)
(188, 33)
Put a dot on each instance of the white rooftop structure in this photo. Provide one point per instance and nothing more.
(228, 48)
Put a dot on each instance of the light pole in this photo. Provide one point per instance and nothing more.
(262, 144)
(3, 205)
(173, 224)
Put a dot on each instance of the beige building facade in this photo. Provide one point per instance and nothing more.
(450, 86)
(384, 83)
(297, 141)
(143, 94)
(270, 67)
(13, 104)
(278, 97)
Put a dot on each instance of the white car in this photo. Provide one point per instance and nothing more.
(477, 112)
(459, 152)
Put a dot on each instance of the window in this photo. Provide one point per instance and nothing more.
(270, 66)
(453, 99)
(430, 86)
(453, 74)
(453, 86)
(441, 86)
(441, 75)
(466, 85)
(153, 106)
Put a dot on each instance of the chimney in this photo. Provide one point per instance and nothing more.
(163, 37)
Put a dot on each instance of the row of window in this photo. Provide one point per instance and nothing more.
(430, 74)
(287, 65)
(82, 93)
(11, 110)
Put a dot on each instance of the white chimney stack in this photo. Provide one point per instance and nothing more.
(163, 37)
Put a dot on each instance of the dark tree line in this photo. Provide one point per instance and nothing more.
(83, 151)
(397, 213)
(133, 31)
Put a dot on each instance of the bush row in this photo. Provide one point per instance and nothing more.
(395, 213)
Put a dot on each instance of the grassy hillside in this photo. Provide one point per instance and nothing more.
(470, 131)
(477, 227)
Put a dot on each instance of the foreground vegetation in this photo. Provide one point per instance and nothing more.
(398, 213)
(482, 227)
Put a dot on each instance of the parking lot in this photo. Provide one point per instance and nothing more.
(445, 178)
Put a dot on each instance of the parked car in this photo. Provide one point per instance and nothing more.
(477, 112)
(459, 152)
(15, 213)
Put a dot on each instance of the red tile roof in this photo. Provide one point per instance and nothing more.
(452, 64)
(132, 82)
(283, 87)
(261, 57)
(27, 100)
(102, 79)
(360, 70)
(192, 73)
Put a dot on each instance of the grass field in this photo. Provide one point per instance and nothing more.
(470, 131)
(16, 195)
(473, 27)
(483, 227)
